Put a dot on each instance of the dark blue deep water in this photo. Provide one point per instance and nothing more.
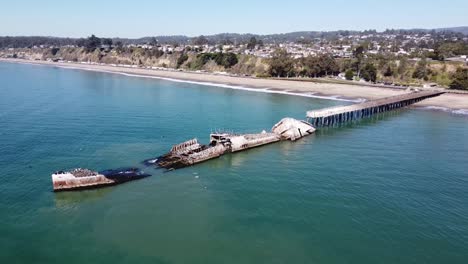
(391, 189)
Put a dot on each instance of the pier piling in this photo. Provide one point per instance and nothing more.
(341, 114)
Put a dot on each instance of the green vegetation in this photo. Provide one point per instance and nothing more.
(421, 71)
(201, 40)
(253, 42)
(183, 58)
(227, 60)
(54, 51)
(107, 42)
(319, 66)
(388, 72)
(385, 68)
(460, 79)
(349, 75)
(369, 72)
(281, 64)
(92, 43)
(401, 61)
(447, 49)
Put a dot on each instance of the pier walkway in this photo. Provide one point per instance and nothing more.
(341, 114)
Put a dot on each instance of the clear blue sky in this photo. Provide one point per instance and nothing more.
(138, 18)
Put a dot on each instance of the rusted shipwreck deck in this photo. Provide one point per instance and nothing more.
(340, 114)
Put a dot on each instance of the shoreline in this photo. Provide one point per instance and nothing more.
(449, 102)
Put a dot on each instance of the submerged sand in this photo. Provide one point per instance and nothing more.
(449, 100)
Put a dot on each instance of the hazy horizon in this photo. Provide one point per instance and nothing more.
(146, 18)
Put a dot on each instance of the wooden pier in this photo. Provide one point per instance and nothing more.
(335, 115)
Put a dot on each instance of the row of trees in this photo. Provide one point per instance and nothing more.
(333, 38)
(390, 68)
(460, 79)
(447, 49)
(29, 42)
(227, 60)
(283, 65)
(251, 44)
(92, 43)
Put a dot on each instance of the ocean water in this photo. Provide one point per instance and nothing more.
(390, 189)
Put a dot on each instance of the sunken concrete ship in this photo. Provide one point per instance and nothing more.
(192, 152)
(79, 178)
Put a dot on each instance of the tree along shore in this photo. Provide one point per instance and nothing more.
(386, 68)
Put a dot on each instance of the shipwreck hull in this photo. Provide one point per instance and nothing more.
(80, 179)
(71, 184)
(190, 152)
(183, 158)
(252, 141)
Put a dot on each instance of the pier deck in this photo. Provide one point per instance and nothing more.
(341, 114)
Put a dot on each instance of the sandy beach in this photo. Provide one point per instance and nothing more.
(458, 102)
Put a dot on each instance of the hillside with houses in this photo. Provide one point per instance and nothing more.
(392, 57)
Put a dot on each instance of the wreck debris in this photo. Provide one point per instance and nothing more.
(292, 129)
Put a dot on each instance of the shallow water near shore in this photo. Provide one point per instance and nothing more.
(390, 189)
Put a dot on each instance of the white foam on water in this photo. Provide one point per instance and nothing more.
(460, 112)
(437, 108)
(236, 87)
(448, 110)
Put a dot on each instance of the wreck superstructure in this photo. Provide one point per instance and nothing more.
(191, 152)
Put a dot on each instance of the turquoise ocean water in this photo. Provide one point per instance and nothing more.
(391, 189)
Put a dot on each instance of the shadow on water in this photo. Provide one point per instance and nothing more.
(69, 199)
(368, 121)
(65, 200)
(238, 159)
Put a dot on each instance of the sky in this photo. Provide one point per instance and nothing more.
(139, 18)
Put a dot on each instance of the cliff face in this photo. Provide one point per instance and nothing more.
(136, 56)
(247, 65)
